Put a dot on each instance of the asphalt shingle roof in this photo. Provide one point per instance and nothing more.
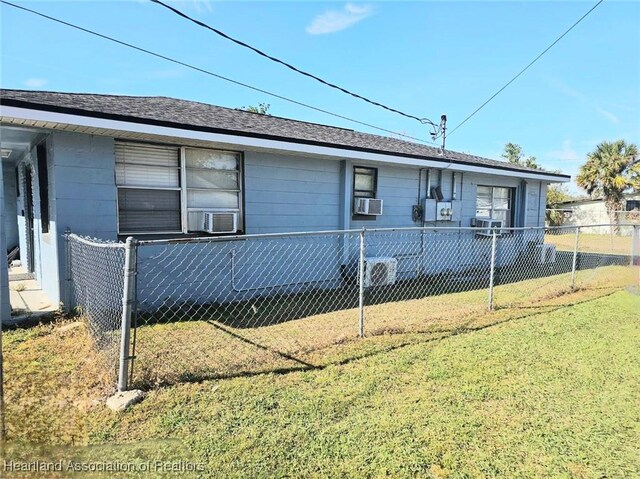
(205, 117)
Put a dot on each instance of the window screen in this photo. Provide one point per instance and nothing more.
(364, 182)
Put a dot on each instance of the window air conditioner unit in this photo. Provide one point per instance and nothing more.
(547, 253)
(219, 221)
(368, 206)
(380, 271)
(486, 227)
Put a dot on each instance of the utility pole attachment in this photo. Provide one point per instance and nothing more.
(438, 130)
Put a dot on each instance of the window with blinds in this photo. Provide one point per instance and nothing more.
(166, 189)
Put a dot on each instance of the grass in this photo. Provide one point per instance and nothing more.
(213, 348)
(592, 243)
(545, 391)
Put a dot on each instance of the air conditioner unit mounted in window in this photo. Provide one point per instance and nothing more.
(368, 206)
(219, 221)
(486, 227)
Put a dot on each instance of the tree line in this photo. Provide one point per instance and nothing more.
(610, 171)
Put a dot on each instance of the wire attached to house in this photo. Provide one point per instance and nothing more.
(424, 121)
(208, 72)
(526, 68)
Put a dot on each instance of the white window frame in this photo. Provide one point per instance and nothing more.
(185, 209)
(183, 188)
(492, 209)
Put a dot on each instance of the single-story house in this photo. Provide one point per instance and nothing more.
(111, 166)
(594, 212)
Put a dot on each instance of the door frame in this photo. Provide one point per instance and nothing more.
(29, 218)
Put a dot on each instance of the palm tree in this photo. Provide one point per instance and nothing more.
(611, 169)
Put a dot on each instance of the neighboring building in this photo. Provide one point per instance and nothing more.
(594, 212)
(111, 166)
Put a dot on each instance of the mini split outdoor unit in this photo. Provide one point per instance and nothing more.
(367, 206)
(380, 271)
(486, 227)
(219, 221)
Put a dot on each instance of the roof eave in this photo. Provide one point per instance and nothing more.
(442, 162)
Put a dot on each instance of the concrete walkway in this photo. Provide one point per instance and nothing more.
(26, 298)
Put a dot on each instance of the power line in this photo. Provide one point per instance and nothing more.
(527, 67)
(290, 66)
(208, 72)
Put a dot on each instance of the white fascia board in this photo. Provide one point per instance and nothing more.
(260, 143)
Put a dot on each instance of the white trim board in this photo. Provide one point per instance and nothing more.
(107, 127)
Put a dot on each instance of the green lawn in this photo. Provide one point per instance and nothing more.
(592, 243)
(553, 393)
(211, 347)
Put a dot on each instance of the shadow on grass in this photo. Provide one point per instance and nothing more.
(416, 337)
(279, 306)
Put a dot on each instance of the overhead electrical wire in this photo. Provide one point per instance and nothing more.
(208, 72)
(525, 68)
(290, 66)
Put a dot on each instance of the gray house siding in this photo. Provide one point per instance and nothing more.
(85, 192)
(287, 193)
(398, 188)
(282, 193)
(81, 197)
(85, 184)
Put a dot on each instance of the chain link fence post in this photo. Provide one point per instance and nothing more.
(635, 249)
(361, 267)
(574, 262)
(67, 284)
(130, 267)
(493, 268)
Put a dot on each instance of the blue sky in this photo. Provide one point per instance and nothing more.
(426, 58)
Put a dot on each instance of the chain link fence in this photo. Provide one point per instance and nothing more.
(221, 306)
(95, 277)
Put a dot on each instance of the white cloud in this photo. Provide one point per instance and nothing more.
(582, 98)
(199, 6)
(608, 115)
(566, 153)
(336, 20)
(36, 82)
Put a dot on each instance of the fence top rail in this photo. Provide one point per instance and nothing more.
(217, 239)
(94, 242)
